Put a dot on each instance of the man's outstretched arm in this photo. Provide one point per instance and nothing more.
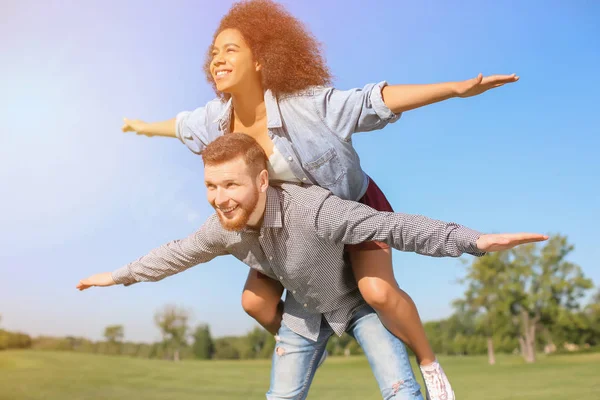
(350, 222)
(166, 260)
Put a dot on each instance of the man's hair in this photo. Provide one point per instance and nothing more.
(232, 145)
(290, 55)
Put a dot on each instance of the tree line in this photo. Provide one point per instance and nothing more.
(524, 301)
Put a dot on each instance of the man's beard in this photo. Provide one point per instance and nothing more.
(244, 211)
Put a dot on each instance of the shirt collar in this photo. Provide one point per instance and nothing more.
(273, 113)
(225, 117)
(272, 218)
(271, 105)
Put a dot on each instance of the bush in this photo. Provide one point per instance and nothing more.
(14, 340)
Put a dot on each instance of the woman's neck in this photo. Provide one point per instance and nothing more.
(249, 106)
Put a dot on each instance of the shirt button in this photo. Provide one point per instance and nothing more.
(281, 277)
(270, 257)
(304, 178)
(293, 292)
(290, 158)
(305, 305)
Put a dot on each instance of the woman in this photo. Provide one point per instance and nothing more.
(273, 84)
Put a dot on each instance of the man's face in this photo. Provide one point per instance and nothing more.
(233, 191)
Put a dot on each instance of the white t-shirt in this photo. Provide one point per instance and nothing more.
(279, 169)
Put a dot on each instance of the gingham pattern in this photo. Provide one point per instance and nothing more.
(301, 244)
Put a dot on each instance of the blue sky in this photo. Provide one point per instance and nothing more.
(80, 197)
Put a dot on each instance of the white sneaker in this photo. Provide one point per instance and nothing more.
(437, 385)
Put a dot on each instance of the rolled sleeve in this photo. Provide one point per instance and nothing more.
(179, 124)
(346, 112)
(379, 106)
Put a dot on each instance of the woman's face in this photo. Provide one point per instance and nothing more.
(233, 67)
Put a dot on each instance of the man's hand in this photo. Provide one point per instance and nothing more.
(134, 125)
(480, 84)
(103, 279)
(505, 241)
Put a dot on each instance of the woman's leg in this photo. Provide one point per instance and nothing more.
(261, 299)
(375, 277)
(376, 282)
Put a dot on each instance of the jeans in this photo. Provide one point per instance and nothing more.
(295, 359)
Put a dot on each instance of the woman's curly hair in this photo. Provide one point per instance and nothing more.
(290, 55)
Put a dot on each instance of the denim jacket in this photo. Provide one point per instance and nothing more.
(312, 129)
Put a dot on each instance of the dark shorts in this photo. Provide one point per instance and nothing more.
(373, 198)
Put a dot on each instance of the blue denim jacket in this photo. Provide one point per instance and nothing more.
(312, 129)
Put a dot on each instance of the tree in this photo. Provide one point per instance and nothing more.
(14, 340)
(261, 343)
(114, 335)
(203, 347)
(129, 349)
(543, 283)
(593, 308)
(486, 277)
(530, 285)
(225, 349)
(3, 339)
(268, 348)
(592, 314)
(173, 324)
(337, 345)
(144, 350)
(353, 348)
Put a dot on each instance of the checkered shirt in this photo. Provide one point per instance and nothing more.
(301, 244)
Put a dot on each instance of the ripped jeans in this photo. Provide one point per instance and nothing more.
(295, 359)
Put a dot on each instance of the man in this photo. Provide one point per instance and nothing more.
(297, 235)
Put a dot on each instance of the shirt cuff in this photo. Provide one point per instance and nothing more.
(379, 106)
(467, 241)
(123, 276)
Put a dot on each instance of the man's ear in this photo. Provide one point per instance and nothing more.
(257, 66)
(263, 181)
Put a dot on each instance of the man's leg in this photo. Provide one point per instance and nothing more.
(387, 356)
(294, 363)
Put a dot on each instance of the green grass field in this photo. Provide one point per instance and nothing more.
(29, 375)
